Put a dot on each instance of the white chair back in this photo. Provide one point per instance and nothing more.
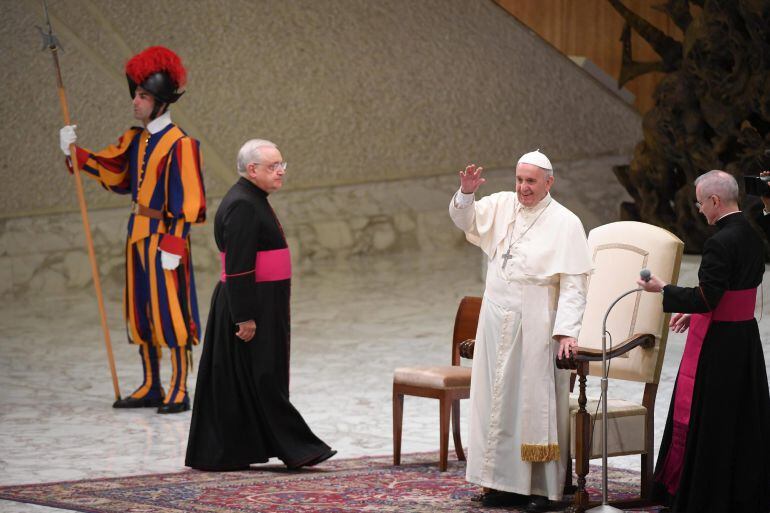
(620, 250)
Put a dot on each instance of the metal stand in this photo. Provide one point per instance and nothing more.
(605, 506)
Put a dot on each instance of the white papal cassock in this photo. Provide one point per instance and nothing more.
(535, 289)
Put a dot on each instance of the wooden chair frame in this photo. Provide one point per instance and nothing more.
(583, 435)
(466, 321)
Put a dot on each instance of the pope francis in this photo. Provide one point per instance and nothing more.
(538, 266)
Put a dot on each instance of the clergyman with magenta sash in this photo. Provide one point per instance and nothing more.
(715, 452)
(242, 413)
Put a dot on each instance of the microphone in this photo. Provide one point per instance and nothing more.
(645, 275)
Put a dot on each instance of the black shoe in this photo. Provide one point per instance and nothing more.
(142, 402)
(538, 504)
(498, 499)
(313, 461)
(325, 456)
(175, 407)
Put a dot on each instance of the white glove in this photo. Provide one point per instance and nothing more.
(169, 261)
(67, 136)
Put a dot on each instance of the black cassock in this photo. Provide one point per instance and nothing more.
(242, 413)
(726, 464)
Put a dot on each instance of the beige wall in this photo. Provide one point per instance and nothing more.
(353, 91)
(47, 253)
(375, 104)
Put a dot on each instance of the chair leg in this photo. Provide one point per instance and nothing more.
(650, 391)
(456, 430)
(645, 492)
(444, 413)
(583, 437)
(398, 416)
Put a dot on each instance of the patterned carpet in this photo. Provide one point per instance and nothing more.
(341, 486)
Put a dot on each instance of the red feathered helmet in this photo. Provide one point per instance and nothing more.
(159, 71)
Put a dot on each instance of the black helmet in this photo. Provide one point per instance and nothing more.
(160, 72)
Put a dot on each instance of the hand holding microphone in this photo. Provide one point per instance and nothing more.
(649, 282)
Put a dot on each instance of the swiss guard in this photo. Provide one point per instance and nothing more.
(159, 165)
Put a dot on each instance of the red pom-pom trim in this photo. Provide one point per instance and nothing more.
(155, 59)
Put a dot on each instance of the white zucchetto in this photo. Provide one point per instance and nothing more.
(536, 159)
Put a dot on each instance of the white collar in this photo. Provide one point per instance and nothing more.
(159, 123)
(727, 214)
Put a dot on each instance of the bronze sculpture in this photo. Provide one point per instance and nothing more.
(712, 109)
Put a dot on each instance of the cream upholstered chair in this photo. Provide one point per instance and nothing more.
(449, 384)
(638, 329)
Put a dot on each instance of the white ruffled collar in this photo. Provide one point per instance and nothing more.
(159, 123)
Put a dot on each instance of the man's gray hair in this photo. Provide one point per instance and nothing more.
(249, 153)
(719, 183)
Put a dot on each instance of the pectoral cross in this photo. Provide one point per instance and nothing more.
(507, 256)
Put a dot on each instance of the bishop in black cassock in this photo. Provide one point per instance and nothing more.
(715, 452)
(242, 414)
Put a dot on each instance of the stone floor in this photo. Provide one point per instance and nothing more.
(354, 321)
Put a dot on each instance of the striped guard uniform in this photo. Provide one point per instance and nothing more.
(160, 166)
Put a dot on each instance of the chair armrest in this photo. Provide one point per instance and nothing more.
(466, 348)
(645, 340)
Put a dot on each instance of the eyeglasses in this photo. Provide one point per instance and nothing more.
(274, 167)
(699, 205)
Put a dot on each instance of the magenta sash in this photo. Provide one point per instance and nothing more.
(735, 306)
(272, 265)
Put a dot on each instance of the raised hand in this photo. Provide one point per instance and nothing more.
(470, 179)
